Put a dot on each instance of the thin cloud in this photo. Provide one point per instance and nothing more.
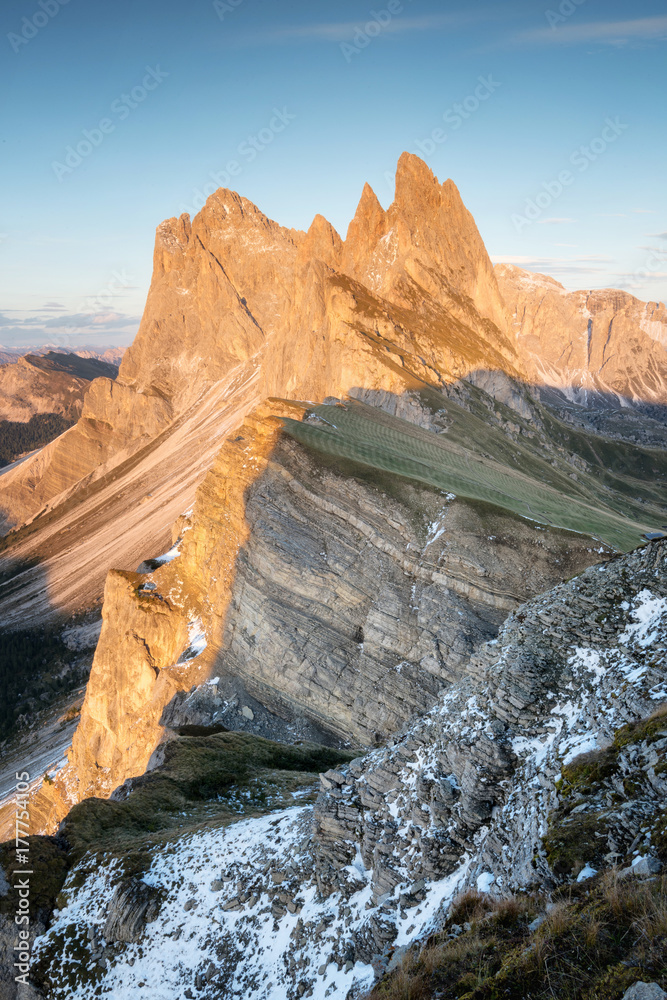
(611, 215)
(635, 280)
(89, 320)
(643, 211)
(658, 236)
(555, 266)
(553, 222)
(653, 29)
(341, 31)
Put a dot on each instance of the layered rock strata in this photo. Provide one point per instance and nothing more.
(545, 764)
(477, 777)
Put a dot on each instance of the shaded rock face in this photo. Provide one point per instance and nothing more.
(477, 776)
(602, 341)
(549, 749)
(357, 606)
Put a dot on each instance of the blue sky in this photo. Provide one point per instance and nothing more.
(306, 101)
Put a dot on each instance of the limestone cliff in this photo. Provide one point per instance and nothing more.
(233, 288)
(604, 341)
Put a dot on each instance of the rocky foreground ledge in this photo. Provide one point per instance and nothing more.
(545, 767)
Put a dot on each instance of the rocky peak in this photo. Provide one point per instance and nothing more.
(171, 240)
(322, 242)
(426, 243)
(366, 229)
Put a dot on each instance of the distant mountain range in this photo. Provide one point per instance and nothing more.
(112, 355)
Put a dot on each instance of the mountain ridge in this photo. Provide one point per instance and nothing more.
(384, 317)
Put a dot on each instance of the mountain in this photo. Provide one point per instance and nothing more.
(604, 348)
(41, 396)
(330, 478)
(110, 355)
(48, 383)
(472, 851)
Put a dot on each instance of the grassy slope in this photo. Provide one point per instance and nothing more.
(531, 476)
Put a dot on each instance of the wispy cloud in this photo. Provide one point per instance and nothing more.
(556, 266)
(68, 329)
(653, 29)
(553, 222)
(342, 31)
(633, 280)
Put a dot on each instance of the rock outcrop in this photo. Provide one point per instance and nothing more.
(477, 777)
(544, 765)
(49, 383)
(604, 341)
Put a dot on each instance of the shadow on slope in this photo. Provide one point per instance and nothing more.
(533, 465)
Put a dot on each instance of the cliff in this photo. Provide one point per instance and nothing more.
(339, 570)
(603, 341)
(528, 800)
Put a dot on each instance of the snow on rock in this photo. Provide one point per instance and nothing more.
(197, 641)
(319, 899)
(586, 872)
(169, 556)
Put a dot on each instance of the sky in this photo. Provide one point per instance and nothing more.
(549, 115)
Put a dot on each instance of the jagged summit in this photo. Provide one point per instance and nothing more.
(327, 473)
(233, 288)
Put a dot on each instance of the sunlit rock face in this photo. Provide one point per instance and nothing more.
(326, 594)
(604, 341)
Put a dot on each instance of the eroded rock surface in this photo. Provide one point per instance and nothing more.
(604, 341)
(493, 788)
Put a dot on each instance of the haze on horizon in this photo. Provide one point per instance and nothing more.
(549, 118)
